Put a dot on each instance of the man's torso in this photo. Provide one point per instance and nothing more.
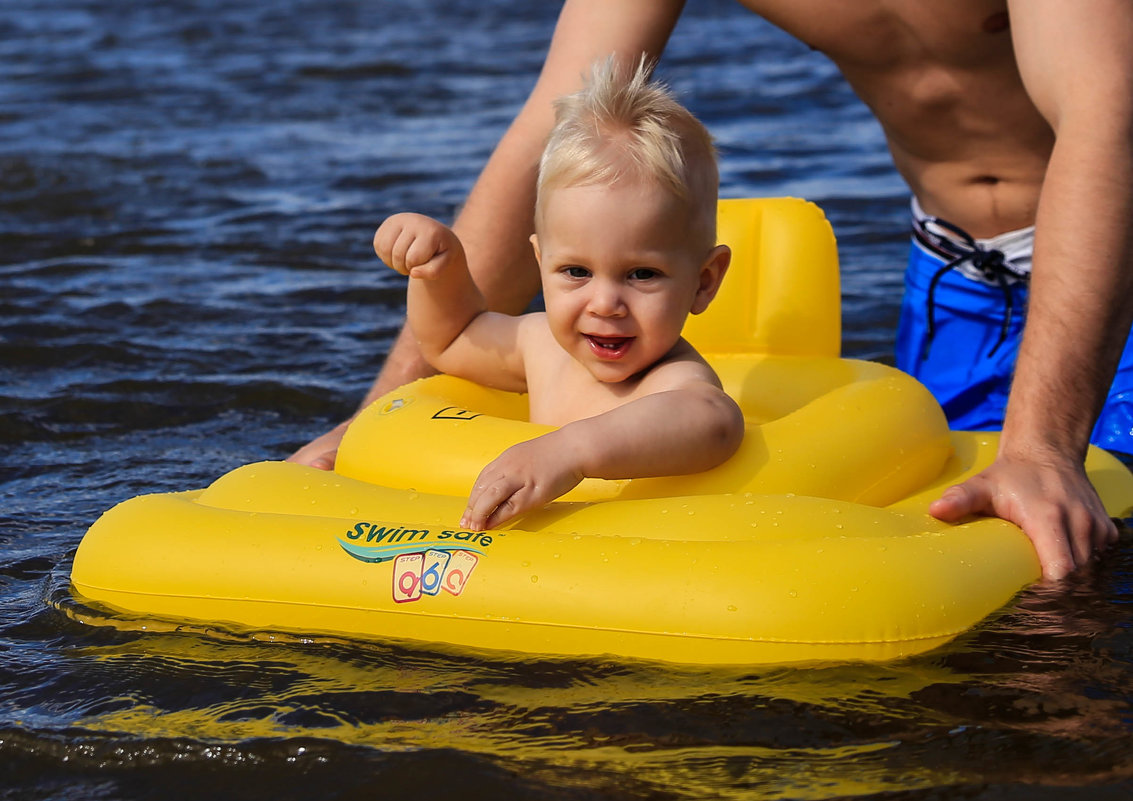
(942, 80)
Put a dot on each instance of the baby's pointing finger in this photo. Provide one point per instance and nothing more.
(482, 502)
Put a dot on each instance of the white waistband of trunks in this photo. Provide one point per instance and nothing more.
(1016, 246)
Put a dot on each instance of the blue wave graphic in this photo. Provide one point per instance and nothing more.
(382, 553)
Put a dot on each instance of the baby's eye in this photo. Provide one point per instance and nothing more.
(574, 271)
(643, 274)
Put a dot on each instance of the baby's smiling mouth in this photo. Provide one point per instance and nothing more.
(608, 347)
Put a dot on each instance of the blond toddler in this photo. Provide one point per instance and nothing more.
(625, 237)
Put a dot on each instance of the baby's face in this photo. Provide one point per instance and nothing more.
(620, 273)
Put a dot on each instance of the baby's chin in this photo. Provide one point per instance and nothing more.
(611, 374)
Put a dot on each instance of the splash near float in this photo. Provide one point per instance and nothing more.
(812, 543)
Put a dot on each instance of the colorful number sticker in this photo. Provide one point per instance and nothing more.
(407, 577)
(459, 569)
(433, 571)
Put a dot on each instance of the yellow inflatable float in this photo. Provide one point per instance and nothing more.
(811, 543)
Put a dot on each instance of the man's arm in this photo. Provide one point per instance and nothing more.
(1076, 60)
(497, 219)
(675, 432)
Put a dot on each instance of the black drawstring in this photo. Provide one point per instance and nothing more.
(989, 263)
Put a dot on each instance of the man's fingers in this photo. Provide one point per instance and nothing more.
(322, 451)
(961, 500)
(1110, 534)
(1055, 552)
(1085, 534)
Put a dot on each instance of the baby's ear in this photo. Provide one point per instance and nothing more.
(711, 274)
(534, 240)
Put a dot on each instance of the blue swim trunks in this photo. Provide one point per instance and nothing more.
(960, 328)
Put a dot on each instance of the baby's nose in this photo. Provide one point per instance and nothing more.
(607, 300)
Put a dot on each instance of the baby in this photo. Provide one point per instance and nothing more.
(625, 237)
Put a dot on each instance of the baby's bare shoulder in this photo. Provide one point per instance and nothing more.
(682, 367)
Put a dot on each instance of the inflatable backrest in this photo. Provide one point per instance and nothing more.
(781, 295)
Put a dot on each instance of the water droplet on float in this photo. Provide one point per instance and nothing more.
(793, 594)
(534, 579)
(732, 608)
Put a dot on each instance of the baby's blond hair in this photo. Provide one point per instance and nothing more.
(623, 125)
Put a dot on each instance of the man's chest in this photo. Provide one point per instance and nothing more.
(882, 33)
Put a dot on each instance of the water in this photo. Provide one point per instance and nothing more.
(187, 195)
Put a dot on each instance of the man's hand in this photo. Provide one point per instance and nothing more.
(523, 477)
(321, 451)
(1052, 501)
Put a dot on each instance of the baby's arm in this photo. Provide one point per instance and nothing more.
(674, 432)
(445, 310)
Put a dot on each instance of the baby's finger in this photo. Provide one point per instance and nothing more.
(400, 249)
(509, 508)
(384, 238)
(485, 498)
(425, 258)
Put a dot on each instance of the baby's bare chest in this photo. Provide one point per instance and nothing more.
(561, 392)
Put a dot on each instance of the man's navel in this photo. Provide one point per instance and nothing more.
(997, 23)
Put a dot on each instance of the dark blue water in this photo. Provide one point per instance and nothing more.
(187, 196)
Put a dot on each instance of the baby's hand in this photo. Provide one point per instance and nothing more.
(523, 477)
(416, 245)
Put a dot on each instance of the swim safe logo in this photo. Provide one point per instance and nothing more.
(424, 562)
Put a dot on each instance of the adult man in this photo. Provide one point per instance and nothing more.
(1000, 115)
